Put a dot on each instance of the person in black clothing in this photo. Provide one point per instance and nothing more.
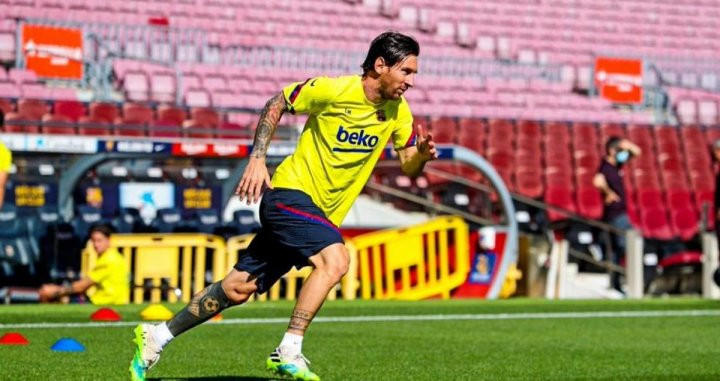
(716, 211)
(609, 181)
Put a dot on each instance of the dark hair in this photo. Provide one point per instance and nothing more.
(612, 142)
(2, 118)
(103, 229)
(393, 47)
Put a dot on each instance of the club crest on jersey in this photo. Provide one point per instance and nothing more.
(361, 141)
(380, 115)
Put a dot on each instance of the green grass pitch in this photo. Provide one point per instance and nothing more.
(460, 346)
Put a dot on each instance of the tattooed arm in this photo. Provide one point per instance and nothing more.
(256, 173)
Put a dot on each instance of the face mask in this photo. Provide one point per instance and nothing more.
(622, 156)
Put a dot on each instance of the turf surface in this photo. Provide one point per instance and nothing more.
(568, 348)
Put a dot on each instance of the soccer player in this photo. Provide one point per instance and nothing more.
(5, 163)
(110, 275)
(350, 120)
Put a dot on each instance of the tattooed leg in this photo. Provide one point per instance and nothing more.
(204, 305)
(299, 321)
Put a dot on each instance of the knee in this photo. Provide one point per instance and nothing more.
(336, 266)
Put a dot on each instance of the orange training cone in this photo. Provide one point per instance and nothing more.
(105, 314)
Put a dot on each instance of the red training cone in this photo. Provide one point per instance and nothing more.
(105, 314)
(13, 338)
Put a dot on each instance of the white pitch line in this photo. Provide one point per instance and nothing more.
(396, 318)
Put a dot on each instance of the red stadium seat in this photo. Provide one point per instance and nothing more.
(443, 130)
(202, 123)
(681, 259)
(685, 223)
(89, 125)
(679, 198)
(655, 224)
(171, 113)
(650, 198)
(136, 117)
(58, 124)
(6, 106)
(32, 109)
(71, 109)
(590, 203)
(107, 112)
(557, 130)
(529, 128)
(561, 197)
(165, 128)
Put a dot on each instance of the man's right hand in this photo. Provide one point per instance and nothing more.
(611, 197)
(255, 176)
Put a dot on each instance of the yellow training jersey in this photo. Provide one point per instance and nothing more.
(112, 279)
(343, 138)
(5, 158)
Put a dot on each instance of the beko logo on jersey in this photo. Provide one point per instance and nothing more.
(359, 139)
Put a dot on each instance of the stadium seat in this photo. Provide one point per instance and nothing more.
(202, 123)
(590, 203)
(685, 223)
(561, 197)
(655, 224)
(71, 109)
(85, 217)
(90, 125)
(107, 112)
(245, 221)
(443, 130)
(208, 221)
(58, 124)
(135, 119)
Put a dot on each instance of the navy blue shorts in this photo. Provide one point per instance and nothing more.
(293, 230)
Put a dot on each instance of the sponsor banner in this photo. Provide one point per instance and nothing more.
(53, 52)
(14, 142)
(230, 150)
(33, 195)
(133, 146)
(191, 149)
(63, 144)
(206, 149)
(619, 80)
(281, 149)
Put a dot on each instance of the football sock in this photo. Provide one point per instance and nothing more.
(162, 334)
(204, 305)
(292, 343)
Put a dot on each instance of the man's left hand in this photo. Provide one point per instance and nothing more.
(425, 144)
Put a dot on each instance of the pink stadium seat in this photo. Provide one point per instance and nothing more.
(135, 85)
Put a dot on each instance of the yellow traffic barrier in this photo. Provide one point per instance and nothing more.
(179, 258)
(288, 285)
(390, 259)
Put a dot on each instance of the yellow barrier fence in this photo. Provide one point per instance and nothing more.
(422, 261)
(413, 263)
(181, 259)
(288, 284)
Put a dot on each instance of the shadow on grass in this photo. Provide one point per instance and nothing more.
(214, 378)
